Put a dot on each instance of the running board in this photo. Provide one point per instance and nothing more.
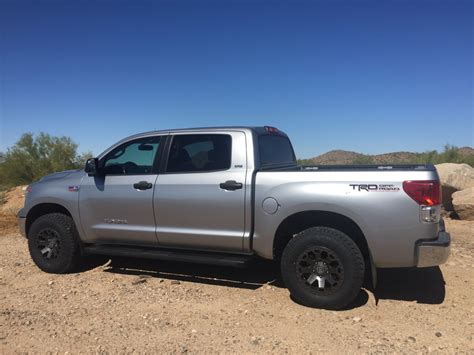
(197, 257)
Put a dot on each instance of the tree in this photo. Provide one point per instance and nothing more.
(33, 157)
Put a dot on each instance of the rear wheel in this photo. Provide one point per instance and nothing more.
(53, 243)
(323, 268)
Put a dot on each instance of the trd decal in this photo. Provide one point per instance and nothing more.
(375, 187)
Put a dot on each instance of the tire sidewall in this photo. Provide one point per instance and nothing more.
(349, 256)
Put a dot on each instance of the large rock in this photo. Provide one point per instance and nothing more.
(463, 202)
(454, 177)
(458, 176)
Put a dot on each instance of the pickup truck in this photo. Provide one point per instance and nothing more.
(227, 195)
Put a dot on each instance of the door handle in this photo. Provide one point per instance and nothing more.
(230, 185)
(143, 185)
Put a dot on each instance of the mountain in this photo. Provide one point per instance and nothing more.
(344, 157)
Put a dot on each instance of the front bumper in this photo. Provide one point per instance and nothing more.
(435, 251)
(21, 222)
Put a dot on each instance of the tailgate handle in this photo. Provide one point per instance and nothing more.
(230, 185)
(143, 185)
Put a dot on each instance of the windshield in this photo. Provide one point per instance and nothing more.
(275, 150)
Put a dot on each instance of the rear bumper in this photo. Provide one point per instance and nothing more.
(21, 222)
(435, 251)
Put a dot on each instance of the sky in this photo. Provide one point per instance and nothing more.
(366, 76)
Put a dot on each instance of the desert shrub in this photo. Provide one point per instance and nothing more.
(363, 160)
(305, 162)
(450, 154)
(32, 157)
(3, 197)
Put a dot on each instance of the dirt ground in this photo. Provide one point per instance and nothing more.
(143, 306)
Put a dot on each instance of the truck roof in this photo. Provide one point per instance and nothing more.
(255, 129)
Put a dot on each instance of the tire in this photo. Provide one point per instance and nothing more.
(322, 256)
(53, 243)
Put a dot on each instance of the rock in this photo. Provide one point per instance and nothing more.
(357, 319)
(463, 203)
(175, 282)
(138, 281)
(256, 340)
(458, 176)
(438, 334)
(412, 339)
(454, 177)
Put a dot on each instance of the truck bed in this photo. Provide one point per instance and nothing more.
(382, 167)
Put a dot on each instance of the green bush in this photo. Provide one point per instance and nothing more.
(450, 154)
(33, 157)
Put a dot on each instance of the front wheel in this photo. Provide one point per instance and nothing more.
(53, 243)
(322, 267)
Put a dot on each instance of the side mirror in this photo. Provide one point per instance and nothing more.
(92, 166)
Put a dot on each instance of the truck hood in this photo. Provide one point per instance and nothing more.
(62, 175)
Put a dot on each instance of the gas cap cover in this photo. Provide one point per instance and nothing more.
(270, 205)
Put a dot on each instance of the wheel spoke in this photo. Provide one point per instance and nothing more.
(46, 250)
(312, 278)
(321, 281)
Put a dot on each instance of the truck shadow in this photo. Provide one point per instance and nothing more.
(421, 285)
(425, 285)
(252, 276)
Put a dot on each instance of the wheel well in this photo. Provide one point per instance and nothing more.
(303, 220)
(42, 209)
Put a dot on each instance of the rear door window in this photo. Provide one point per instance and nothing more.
(199, 153)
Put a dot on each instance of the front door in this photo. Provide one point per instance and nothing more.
(116, 206)
(199, 199)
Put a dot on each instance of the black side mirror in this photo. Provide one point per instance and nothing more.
(92, 166)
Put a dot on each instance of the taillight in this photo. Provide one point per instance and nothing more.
(424, 192)
(28, 189)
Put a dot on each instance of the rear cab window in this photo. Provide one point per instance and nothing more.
(275, 150)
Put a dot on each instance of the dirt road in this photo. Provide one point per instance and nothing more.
(141, 306)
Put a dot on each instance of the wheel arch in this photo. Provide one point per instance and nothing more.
(300, 221)
(40, 210)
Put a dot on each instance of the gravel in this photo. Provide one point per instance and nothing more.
(151, 306)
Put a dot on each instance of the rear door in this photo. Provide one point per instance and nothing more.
(116, 206)
(199, 199)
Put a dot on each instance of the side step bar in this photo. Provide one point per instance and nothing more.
(197, 257)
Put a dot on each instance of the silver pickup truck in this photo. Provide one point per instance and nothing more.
(225, 195)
